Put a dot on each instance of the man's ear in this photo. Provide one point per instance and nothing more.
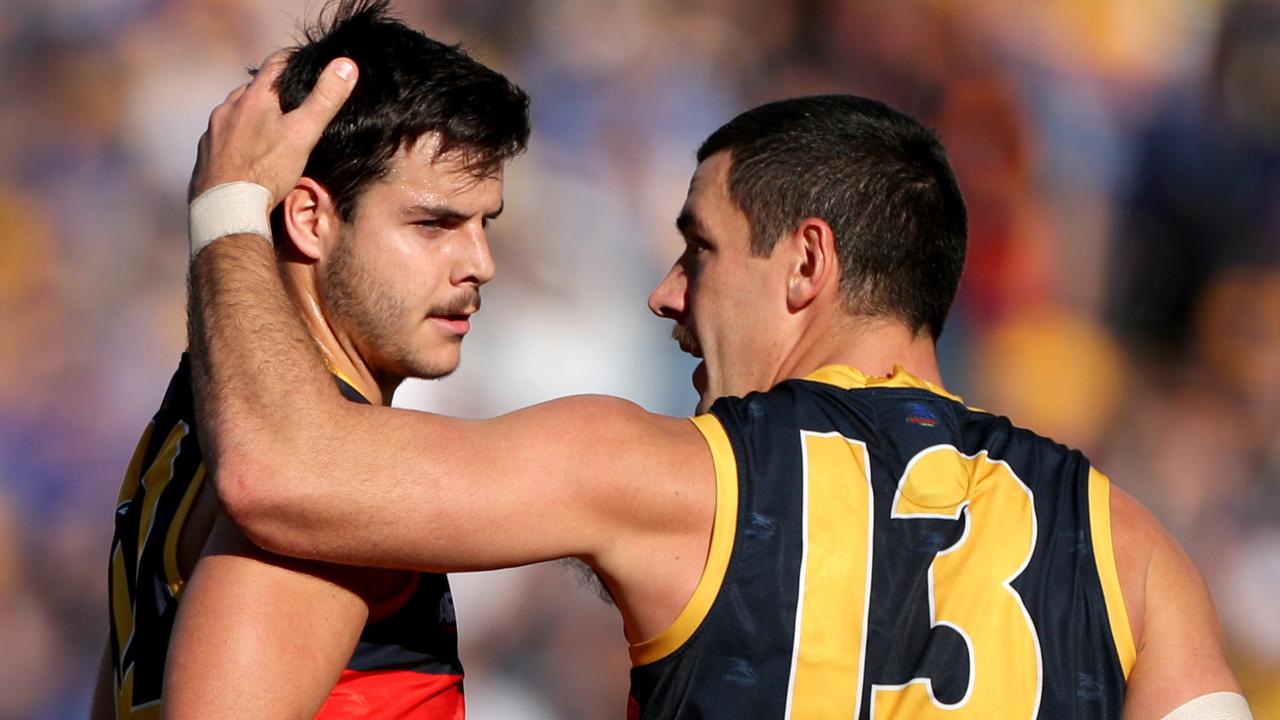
(311, 219)
(814, 265)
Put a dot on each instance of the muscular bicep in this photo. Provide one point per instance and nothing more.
(257, 636)
(1178, 636)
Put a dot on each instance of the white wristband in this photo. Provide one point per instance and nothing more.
(1214, 706)
(233, 208)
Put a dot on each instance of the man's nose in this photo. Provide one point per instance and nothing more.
(478, 267)
(668, 299)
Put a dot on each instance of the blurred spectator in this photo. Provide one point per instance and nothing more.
(1076, 369)
(1203, 196)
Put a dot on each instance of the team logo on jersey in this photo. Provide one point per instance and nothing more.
(918, 414)
(446, 614)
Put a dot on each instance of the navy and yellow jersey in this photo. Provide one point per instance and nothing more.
(405, 664)
(882, 551)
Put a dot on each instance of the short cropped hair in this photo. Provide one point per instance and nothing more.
(879, 178)
(409, 86)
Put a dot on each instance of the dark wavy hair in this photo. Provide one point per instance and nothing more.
(409, 86)
(880, 179)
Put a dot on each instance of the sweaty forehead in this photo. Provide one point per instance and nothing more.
(418, 172)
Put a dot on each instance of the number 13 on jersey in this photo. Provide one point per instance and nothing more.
(969, 584)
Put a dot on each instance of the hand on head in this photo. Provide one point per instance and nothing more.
(250, 139)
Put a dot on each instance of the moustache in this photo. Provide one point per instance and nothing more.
(466, 303)
(685, 339)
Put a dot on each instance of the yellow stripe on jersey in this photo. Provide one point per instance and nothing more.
(157, 477)
(835, 579)
(124, 703)
(121, 603)
(1104, 555)
(132, 474)
(722, 534)
(172, 574)
(343, 377)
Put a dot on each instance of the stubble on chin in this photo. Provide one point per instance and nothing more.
(378, 321)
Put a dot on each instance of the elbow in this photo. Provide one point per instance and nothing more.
(255, 496)
(235, 483)
(266, 482)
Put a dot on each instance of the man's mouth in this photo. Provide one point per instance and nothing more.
(455, 316)
(457, 324)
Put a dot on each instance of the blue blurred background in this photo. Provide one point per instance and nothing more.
(1121, 160)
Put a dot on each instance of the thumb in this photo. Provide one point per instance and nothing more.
(332, 89)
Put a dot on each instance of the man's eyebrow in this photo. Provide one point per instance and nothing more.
(446, 212)
(689, 224)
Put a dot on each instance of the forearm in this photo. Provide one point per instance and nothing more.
(250, 351)
(253, 363)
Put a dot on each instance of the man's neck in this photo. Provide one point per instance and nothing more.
(339, 352)
(874, 346)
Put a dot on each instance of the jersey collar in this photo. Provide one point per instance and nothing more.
(847, 378)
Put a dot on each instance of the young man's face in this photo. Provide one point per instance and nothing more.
(725, 301)
(405, 277)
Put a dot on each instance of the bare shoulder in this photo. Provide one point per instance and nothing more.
(659, 505)
(1180, 654)
(381, 590)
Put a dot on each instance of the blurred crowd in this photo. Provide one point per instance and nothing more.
(1121, 161)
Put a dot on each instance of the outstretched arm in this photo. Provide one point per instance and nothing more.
(1176, 630)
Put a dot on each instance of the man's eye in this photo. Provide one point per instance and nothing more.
(692, 256)
(444, 223)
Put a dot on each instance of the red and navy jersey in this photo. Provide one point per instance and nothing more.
(405, 663)
(880, 551)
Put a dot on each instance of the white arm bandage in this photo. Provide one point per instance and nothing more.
(1214, 706)
(234, 208)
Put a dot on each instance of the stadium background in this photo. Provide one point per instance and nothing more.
(1121, 162)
